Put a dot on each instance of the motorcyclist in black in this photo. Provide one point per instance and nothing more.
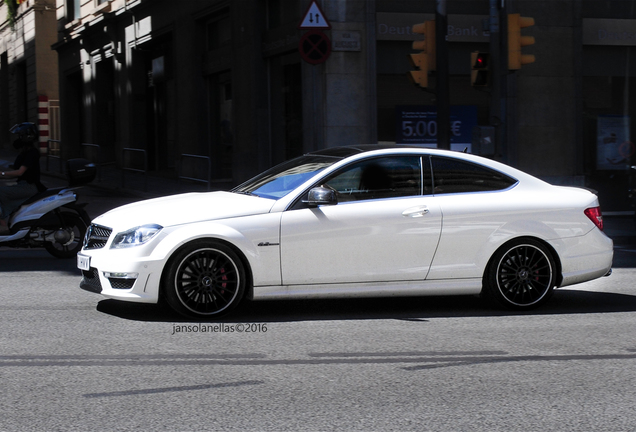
(26, 172)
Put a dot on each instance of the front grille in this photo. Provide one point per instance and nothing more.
(96, 236)
(121, 283)
(90, 281)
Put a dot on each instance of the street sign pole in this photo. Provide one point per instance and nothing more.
(442, 89)
(314, 48)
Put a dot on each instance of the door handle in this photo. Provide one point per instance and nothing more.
(415, 211)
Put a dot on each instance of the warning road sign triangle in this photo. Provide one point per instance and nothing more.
(314, 18)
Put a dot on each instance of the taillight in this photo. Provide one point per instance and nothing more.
(595, 215)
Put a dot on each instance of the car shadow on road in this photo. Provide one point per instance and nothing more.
(407, 308)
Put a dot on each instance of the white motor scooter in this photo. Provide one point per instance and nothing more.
(53, 219)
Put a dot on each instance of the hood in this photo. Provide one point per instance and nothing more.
(184, 208)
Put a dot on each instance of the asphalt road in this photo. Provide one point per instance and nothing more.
(73, 361)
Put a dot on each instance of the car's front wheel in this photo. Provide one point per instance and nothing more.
(521, 275)
(204, 279)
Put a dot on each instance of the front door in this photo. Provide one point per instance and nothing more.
(382, 229)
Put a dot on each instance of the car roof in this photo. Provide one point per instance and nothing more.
(346, 151)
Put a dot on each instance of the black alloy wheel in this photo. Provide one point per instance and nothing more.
(204, 279)
(522, 274)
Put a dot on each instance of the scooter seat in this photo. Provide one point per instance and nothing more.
(41, 195)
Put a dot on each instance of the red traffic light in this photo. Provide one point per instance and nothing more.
(480, 74)
(481, 61)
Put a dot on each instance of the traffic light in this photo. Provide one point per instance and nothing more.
(515, 41)
(480, 65)
(427, 45)
(424, 61)
(419, 77)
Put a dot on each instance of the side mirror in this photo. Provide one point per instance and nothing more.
(321, 196)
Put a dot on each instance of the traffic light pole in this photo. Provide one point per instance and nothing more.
(442, 89)
(499, 60)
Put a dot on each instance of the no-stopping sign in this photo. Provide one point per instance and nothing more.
(314, 47)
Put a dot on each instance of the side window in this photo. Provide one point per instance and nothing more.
(387, 177)
(455, 176)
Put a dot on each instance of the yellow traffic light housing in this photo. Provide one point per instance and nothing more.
(419, 77)
(427, 45)
(515, 41)
(480, 69)
(424, 61)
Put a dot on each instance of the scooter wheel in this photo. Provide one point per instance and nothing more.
(71, 243)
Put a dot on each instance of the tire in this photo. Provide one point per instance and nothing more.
(75, 227)
(521, 275)
(204, 279)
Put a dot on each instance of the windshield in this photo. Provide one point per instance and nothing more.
(277, 182)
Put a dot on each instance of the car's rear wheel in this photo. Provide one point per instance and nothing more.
(521, 274)
(204, 279)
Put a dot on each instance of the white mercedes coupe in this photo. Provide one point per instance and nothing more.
(352, 222)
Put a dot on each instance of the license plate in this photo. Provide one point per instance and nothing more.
(83, 262)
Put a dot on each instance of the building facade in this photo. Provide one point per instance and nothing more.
(225, 81)
(28, 68)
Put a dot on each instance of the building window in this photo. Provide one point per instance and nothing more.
(218, 32)
(73, 9)
(273, 14)
(281, 12)
(221, 124)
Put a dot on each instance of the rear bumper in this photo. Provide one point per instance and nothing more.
(584, 258)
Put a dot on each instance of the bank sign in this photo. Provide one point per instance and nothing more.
(417, 124)
(461, 28)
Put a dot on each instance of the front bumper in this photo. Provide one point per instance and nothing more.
(124, 278)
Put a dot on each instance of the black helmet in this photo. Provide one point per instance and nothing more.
(27, 132)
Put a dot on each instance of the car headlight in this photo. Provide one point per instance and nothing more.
(135, 236)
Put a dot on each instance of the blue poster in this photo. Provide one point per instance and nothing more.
(417, 124)
(613, 146)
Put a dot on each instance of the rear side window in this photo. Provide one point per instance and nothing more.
(456, 176)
